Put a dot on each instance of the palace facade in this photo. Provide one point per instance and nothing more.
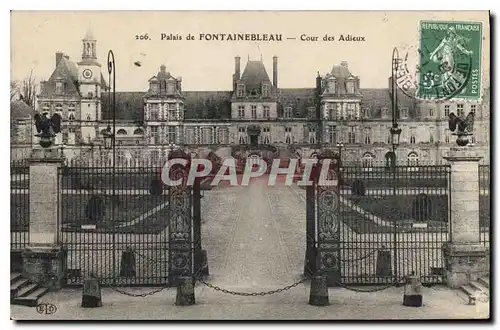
(255, 111)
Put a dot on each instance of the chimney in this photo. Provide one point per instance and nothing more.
(344, 64)
(59, 56)
(163, 68)
(275, 71)
(237, 68)
(318, 84)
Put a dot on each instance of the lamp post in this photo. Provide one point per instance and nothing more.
(395, 134)
(112, 136)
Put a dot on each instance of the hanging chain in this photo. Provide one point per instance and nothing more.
(252, 294)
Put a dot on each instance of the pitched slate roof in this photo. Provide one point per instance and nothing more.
(20, 110)
(67, 71)
(254, 75)
(129, 106)
(377, 98)
(207, 105)
(300, 99)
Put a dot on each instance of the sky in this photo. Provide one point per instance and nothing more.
(208, 65)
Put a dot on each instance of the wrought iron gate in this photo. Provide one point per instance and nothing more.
(379, 224)
(126, 227)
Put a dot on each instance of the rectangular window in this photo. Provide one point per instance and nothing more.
(288, 112)
(240, 91)
(206, 135)
(447, 135)
(254, 111)
(412, 136)
(267, 112)
(384, 112)
(172, 111)
(154, 113)
(368, 133)
(59, 87)
(171, 134)
(155, 87)
(241, 111)
(311, 112)
(265, 90)
(473, 109)
(447, 110)
(58, 107)
(431, 112)
(333, 134)
(352, 135)
(190, 136)
(350, 87)
(460, 110)
(366, 113)
(404, 112)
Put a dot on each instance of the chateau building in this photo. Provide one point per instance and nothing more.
(255, 111)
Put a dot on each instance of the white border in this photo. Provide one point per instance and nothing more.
(185, 5)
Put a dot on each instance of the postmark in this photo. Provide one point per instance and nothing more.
(445, 65)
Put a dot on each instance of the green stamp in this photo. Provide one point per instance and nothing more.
(450, 60)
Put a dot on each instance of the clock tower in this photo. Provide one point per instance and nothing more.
(89, 78)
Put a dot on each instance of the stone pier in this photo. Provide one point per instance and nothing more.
(44, 259)
(465, 257)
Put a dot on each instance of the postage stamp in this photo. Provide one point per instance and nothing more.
(449, 62)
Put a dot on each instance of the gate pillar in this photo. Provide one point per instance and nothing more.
(180, 217)
(328, 222)
(44, 260)
(310, 258)
(200, 256)
(464, 256)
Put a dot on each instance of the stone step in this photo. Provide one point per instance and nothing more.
(479, 287)
(14, 277)
(31, 300)
(17, 286)
(26, 290)
(485, 281)
(473, 294)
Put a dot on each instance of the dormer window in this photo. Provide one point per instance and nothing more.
(265, 90)
(170, 87)
(404, 112)
(59, 87)
(58, 107)
(155, 87)
(240, 91)
(332, 86)
(71, 116)
(350, 87)
(311, 111)
(254, 92)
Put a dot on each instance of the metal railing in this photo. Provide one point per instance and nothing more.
(19, 205)
(484, 204)
(393, 222)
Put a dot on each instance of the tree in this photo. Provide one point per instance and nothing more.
(14, 89)
(27, 90)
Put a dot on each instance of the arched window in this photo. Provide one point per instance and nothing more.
(121, 131)
(367, 160)
(139, 131)
(412, 159)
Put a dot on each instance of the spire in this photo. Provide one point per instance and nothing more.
(89, 35)
(89, 46)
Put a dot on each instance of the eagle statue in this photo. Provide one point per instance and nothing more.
(47, 128)
(461, 127)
